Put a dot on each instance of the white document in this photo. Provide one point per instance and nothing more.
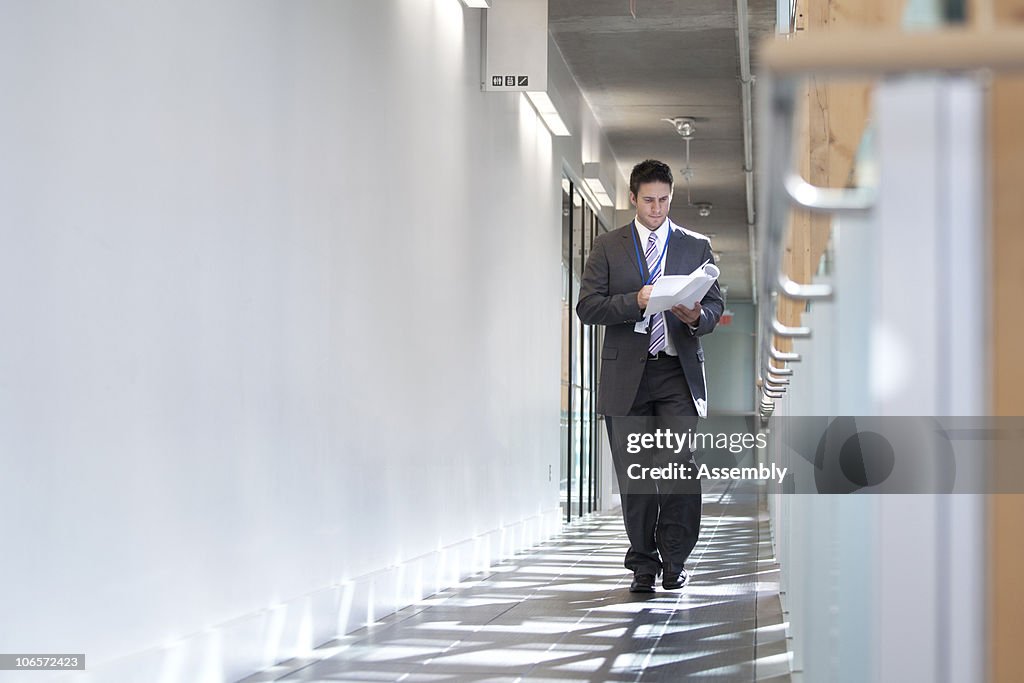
(687, 290)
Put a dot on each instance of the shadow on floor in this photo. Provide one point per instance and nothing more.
(562, 612)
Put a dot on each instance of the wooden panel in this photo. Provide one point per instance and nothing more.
(837, 114)
(1007, 146)
(1008, 12)
(980, 14)
(881, 51)
(787, 311)
(1006, 512)
(1006, 597)
(830, 123)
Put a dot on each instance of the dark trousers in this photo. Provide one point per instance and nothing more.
(662, 517)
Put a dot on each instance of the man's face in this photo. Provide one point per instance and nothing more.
(652, 201)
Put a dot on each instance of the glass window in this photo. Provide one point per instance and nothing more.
(567, 320)
(580, 343)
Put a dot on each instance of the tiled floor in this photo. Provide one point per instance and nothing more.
(562, 612)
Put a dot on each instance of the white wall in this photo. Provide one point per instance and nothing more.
(281, 301)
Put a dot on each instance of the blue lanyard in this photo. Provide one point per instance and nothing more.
(639, 262)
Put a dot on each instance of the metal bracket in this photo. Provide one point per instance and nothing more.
(781, 356)
(794, 290)
(789, 332)
(827, 199)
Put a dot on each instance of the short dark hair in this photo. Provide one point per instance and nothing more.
(650, 171)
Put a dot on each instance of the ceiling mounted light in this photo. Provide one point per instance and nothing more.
(548, 113)
(703, 209)
(482, 4)
(592, 177)
(684, 125)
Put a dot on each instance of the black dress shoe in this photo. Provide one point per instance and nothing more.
(671, 582)
(642, 583)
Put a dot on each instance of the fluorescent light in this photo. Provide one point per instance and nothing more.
(476, 3)
(600, 193)
(546, 109)
(592, 177)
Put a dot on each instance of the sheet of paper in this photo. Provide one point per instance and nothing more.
(687, 290)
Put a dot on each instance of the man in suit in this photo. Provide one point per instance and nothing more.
(652, 368)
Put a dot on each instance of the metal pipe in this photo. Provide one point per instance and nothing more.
(777, 103)
(751, 239)
(743, 45)
(743, 39)
(743, 36)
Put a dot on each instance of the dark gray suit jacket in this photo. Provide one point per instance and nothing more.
(608, 292)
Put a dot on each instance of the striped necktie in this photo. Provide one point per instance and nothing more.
(657, 324)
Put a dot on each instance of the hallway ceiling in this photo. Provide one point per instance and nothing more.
(677, 58)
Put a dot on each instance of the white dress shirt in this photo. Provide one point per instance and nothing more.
(660, 235)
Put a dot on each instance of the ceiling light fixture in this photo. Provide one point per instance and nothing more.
(482, 4)
(592, 177)
(684, 125)
(548, 113)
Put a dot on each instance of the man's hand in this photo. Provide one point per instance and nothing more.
(644, 296)
(690, 316)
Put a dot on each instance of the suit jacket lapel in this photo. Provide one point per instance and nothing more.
(629, 248)
(675, 256)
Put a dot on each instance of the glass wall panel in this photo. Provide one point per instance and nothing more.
(579, 217)
(579, 421)
(568, 317)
